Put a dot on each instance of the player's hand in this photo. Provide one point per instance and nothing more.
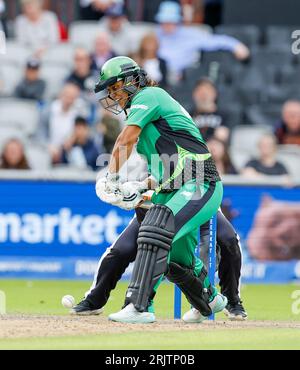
(132, 194)
(107, 189)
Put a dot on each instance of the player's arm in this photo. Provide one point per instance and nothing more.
(108, 187)
(123, 148)
(144, 110)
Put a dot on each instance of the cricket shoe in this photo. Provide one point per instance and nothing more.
(84, 308)
(236, 311)
(195, 317)
(131, 316)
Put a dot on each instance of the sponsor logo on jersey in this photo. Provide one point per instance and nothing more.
(139, 106)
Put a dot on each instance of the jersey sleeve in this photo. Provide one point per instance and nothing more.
(144, 109)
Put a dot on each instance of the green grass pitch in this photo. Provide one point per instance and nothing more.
(271, 325)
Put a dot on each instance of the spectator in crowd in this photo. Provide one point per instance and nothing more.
(13, 156)
(32, 86)
(93, 10)
(220, 154)
(57, 121)
(147, 57)
(180, 46)
(37, 28)
(206, 114)
(102, 53)
(192, 11)
(288, 130)
(82, 74)
(109, 129)
(2, 17)
(121, 32)
(266, 163)
(80, 149)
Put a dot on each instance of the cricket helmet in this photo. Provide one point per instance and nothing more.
(120, 69)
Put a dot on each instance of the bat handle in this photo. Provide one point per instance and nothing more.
(148, 195)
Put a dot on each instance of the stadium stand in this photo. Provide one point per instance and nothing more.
(279, 36)
(244, 142)
(83, 33)
(38, 156)
(251, 93)
(10, 75)
(61, 54)
(290, 158)
(250, 35)
(16, 53)
(266, 115)
(54, 75)
(18, 113)
(246, 137)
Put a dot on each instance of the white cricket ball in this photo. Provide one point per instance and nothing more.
(68, 301)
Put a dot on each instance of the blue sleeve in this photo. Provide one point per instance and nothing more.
(207, 42)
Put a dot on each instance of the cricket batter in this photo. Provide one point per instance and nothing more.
(168, 234)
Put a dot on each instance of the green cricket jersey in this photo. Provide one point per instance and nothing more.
(167, 129)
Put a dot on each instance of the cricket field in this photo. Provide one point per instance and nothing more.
(35, 319)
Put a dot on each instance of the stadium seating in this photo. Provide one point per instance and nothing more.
(16, 53)
(290, 158)
(10, 76)
(289, 75)
(83, 33)
(264, 57)
(61, 54)
(277, 94)
(277, 36)
(218, 65)
(19, 114)
(251, 83)
(227, 95)
(239, 158)
(233, 113)
(140, 29)
(184, 96)
(54, 75)
(245, 138)
(38, 156)
(267, 115)
(250, 35)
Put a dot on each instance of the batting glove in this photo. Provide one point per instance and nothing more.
(107, 189)
(132, 194)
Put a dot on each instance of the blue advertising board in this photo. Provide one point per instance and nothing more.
(60, 230)
(57, 219)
